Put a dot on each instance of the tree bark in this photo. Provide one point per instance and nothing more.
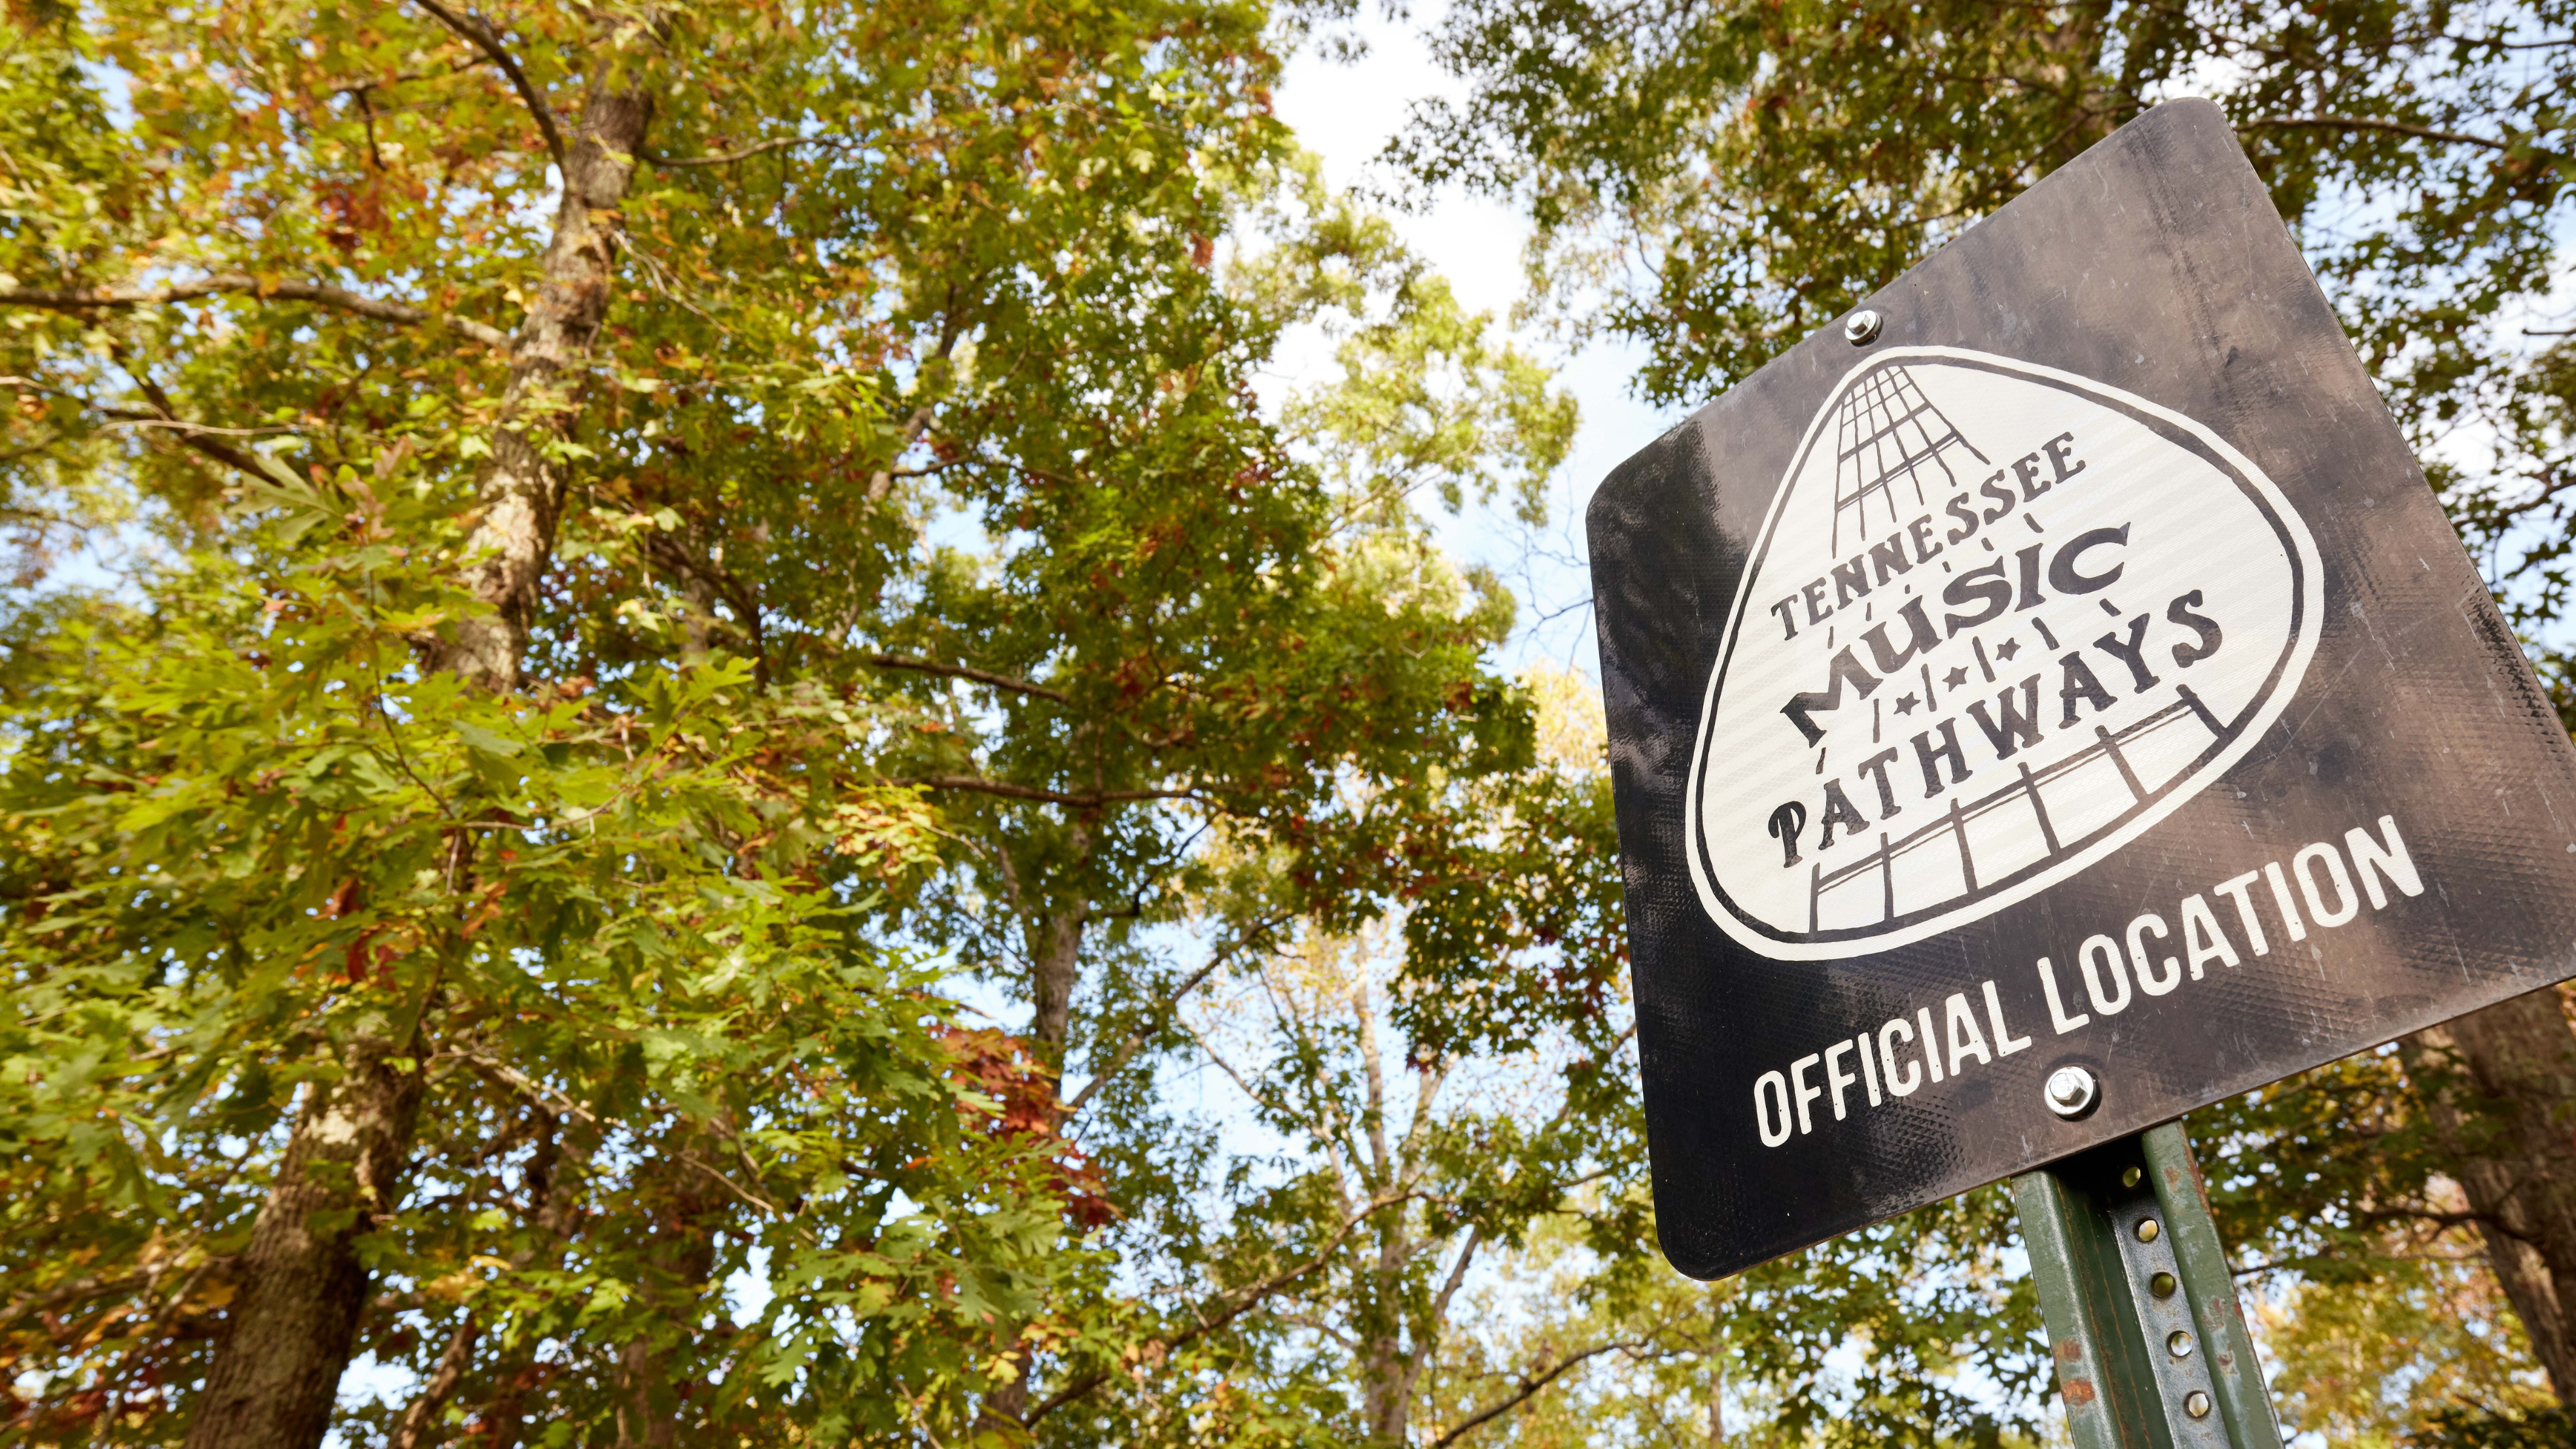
(1389, 1365)
(2527, 1284)
(1717, 1401)
(1055, 961)
(522, 492)
(288, 1337)
(1052, 969)
(2501, 1087)
(552, 1206)
(418, 1427)
(654, 1410)
(1386, 1387)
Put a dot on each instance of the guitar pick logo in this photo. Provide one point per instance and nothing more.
(2000, 621)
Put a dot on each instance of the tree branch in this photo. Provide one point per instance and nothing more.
(746, 1194)
(483, 40)
(960, 671)
(976, 784)
(164, 419)
(414, 1430)
(73, 1292)
(553, 1103)
(919, 422)
(727, 158)
(1528, 1389)
(1170, 1003)
(1457, 1275)
(1251, 1295)
(2365, 123)
(78, 300)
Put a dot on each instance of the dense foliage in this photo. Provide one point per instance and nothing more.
(625, 564)
(1713, 182)
(692, 749)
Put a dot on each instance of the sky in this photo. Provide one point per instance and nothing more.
(1346, 114)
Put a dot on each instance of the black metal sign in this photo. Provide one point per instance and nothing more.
(2052, 702)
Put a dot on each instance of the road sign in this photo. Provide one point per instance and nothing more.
(2047, 703)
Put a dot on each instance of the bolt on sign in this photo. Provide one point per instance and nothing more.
(2047, 703)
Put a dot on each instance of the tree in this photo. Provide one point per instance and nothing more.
(1412, 1152)
(1467, 1054)
(1727, 179)
(411, 827)
(653, 551)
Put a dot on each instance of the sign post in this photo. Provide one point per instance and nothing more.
(2151, 1347)
(2048, 702)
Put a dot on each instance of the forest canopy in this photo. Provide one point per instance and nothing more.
(694, 747)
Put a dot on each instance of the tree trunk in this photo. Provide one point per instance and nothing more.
(2502, 1091)
(1386, 1390)
(418, 1426)
(1716, 1401)
(552, 1206)
(1055, 961)
(1055, 965)
(1388, 1366)
(654, 1411)
(287, 1339)
(288, 1336)
(2524, 1275)
(522, 494)
(1052, 968)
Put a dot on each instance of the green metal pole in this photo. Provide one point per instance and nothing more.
(2151, 1348)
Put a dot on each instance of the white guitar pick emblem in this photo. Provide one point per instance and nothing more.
(2000, 621)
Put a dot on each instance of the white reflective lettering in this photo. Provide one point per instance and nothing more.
(1969, 1042)
(1836, 1077)
(2101, 954)
(2371, 862)
(2203, 939)
(1804, 1093)
(1771, 1082)
(1898, 1086)
(2148, 981)
(2057, 1016)
(2005, 1042)
(2347, 905)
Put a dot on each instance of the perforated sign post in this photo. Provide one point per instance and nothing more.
(2050, 701)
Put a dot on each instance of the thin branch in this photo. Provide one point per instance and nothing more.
(2371, 1217)
(166, 416)
(393, 736)
(1244, 1085)
(1529, 1388)
(976, 784)
(482, 39)
(960, 671)
(1170, 1003)
(236, 283)
(414, 1430)
(552, 1102)
(204, 430)
(919, 423)
(1251, 1295)
(737, 1189)
(12, 456)
(727, 158)
(1457, 1275)
(913, 428)
(73, 1292)
(660, 278)
(2365, 123)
